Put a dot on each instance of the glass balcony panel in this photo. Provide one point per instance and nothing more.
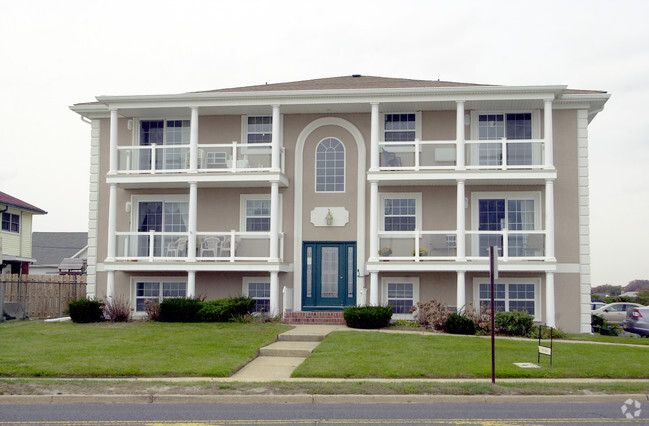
(254, 156)
(439, 245)
(437, 155)
(396, 245)
(397, 155)
(526, 245)
(524, 153)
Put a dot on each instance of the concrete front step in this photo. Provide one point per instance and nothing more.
(289, 349)
(300, 338)
(315, 317)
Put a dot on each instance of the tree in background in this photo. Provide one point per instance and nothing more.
(637, 285)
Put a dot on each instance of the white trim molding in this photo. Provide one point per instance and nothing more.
(584, 220)
(297, 205)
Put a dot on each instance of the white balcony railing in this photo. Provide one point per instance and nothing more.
(417, 245)
(505, 154)
(442, 155)
(521, 245)
(210, 158)
(229, 246)
(442, 245)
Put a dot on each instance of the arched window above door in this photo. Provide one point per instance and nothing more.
(330, 166)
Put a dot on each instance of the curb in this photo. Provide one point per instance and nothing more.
(310, 399)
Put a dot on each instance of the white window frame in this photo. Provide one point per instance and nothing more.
(385, 281)
(243, 203)
(315, 171)
(246, 281)
(507, 196)
(418, 131)
(387, 195)
(523, 280)
(244, 126)
(11, 215)
(138, 128)
(169, 198)
(513, 195)
(160, 280)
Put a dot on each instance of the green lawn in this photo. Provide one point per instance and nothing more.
(608, 339)
(134, 349)
(362, 355)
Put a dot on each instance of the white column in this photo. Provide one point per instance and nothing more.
(193, 141)
(193, 219)
(374, 220)
(547, 134)
(549, 220)
(374, 138)
(112, 223)
(110, 284)
(274, 221)
(549, 299)
(461, 291)
(191, 284)
(374, 289)
(276, 139)
(460, 136)
(274, 294)
(460, 243)
(112, 168)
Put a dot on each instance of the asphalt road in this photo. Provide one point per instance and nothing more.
(505, 413)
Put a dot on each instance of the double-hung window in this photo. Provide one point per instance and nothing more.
(258, 289)
(511, 211)
(257, 215)
(157, 290)
(512, 127)
(402, 294)
(11, 222)
(399, 127)
(259, 129)
(330, 166)
(163, 133)
(400, 211)
(510, 294)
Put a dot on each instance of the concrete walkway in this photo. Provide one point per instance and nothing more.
(278, 360)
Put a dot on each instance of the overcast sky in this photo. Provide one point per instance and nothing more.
(55, 54)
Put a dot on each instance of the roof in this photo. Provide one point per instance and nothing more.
(50, 248)
(8, 200)
(355, 81)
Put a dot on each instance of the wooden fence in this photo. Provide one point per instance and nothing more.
(44, 296)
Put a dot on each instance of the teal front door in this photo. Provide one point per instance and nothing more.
(328, 275)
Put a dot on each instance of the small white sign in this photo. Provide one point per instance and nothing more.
(544, 350)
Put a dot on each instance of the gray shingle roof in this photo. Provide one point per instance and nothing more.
(50, 248)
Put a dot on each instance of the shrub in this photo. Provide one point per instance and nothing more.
(459, 324)
(85, 311)
(432, 314)
(368, 316)
(517, 323)
(557, 333)
(180, 310)
(152, 309)
(117, 309)
(597, 321)
(222, 310)
(481, 318)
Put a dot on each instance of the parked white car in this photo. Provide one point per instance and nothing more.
(615, 312)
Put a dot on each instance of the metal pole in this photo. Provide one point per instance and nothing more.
(493, 315)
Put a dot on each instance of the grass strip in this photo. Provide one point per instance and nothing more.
(34, 348)
(90, 387)
(352, 354)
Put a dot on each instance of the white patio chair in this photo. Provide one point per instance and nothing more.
(210, 245)
(177, 248)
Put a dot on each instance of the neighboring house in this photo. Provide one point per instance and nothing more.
(314, 195)
(50, 248)
(16, 233)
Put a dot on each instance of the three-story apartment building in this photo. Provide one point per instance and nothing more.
(314, 195)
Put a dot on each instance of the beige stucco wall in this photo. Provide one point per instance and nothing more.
(219, 208)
